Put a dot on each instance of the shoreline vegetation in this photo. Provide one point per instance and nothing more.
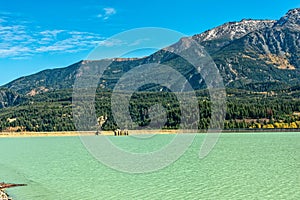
(134, 132)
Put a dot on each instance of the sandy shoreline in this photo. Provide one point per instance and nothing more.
(131, 132)
(76, 133)
(43, 134)
(89, 133)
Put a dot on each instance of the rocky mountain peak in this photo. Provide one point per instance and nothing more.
(234, 30)
(291, 19)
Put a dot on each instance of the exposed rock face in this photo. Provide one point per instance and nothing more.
(234, 30)
(9, 98)
(290, 20)
(268, 55)
(216, 38)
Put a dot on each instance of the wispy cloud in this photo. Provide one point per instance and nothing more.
(73, 42)
(138, 42)
(50, 33)
(107, 13)
(112, 43)
(20, 40)
(15, 51)
(117, 42)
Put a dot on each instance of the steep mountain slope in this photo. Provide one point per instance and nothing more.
(264, 57)
(291, 19)
(9, 98)
(216, 38)
(44, 81)
(258, 55)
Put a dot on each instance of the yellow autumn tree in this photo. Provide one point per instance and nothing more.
(268, 126)
(293, 125)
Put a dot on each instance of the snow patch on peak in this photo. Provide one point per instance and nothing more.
(234, 30)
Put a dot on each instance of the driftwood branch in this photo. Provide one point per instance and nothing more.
(10, 185)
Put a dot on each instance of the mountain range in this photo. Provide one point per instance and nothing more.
(254, 55)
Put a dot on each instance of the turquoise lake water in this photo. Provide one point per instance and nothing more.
(241, 166)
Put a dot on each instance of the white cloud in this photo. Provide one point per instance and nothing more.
(110, 11)
(15, 51)
(19, 41)
(107, 13)
(51, 32)
(55, 47)
(111, 43)
(73, 43)
(138, 42)
(118, 42)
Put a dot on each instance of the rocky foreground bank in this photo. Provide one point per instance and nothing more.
(4, 196)
(3, 186)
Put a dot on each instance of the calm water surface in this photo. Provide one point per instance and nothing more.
(241, 166)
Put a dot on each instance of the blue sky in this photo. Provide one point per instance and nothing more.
(37, 35)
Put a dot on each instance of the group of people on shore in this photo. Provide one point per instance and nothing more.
(119, 132)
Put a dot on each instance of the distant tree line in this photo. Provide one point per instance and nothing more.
(52, 111)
